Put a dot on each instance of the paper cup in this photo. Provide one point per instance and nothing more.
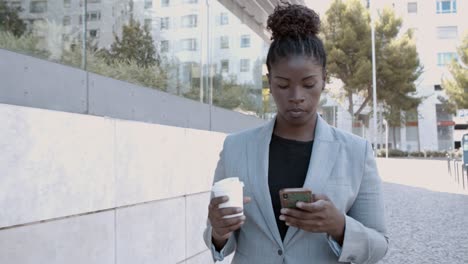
(232, 188)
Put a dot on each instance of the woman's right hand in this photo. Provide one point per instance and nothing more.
(223, 227)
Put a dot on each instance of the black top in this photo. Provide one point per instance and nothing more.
(288, 165)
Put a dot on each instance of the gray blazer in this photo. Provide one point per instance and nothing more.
(342, 166)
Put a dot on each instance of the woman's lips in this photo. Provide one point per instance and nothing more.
(296, 112)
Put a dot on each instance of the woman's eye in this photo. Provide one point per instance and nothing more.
(309, 86)
(282, 87)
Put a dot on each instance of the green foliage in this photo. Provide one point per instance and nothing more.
(26, 44)
(456, 87)
(346, 31)
(136, 45)
(395, 153)
(229, 94)
(12, 33)
(397, 70)
(130, 71)
(10, 21)
(348, 44)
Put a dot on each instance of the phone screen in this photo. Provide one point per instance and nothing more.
(289, 199)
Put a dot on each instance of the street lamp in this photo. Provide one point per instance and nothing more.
(386, 138)
(374, 78)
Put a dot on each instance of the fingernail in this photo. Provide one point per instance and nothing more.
(287, 223)
(299, 204)
(284, 211)
(239, 210)
(282, 217)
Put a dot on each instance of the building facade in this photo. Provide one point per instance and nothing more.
(439, 27)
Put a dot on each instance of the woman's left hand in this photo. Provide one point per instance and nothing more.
(319, 216)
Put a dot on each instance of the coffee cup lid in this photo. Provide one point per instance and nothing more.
(228, 182)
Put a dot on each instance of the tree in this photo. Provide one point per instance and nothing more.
(135, 45)
(398, 68)
(348, 44)
(456, 87)
(10, 20)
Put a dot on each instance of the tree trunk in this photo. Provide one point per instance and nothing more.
(362, 106)
(351, 106)
(394, 137)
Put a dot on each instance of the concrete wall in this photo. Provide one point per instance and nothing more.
(84, 189)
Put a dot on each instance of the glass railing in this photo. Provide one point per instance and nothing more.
(195, 49)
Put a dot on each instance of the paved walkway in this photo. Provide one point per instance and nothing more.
(427, 216)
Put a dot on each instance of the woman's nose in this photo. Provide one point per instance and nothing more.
(296, 96)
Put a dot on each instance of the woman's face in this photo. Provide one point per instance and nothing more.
(296, 84)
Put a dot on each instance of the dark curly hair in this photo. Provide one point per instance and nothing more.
(294, 30)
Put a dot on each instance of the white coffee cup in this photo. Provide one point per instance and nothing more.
(232, 188)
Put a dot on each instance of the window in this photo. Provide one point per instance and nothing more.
(244, 65)
(447, 32)
(444, 58)
(224, 19)
(189, 21)
(165, 23)
(37, 22)
(93, 1)
(437, 87)
(148, 4)
(461, 126)
(148, 23)
(224, 65)
(189, 44)
(224, 42)
(446, 6)
(38, 7)
(245, 41)
(66, 20)
(93, 33)
(165, 3)
(412, 7)
(15, 4)
(67, 3)
(411, 123)
(190, 1)
(164, 45)
(93, 16)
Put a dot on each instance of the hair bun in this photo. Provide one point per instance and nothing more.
(293, 21)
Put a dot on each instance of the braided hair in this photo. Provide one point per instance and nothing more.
(294, 31)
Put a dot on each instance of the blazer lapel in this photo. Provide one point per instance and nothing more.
(258, 155)
(321, 163)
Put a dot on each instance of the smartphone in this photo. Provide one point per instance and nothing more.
(290, 196)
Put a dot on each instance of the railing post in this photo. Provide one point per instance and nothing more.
(463, 176)
(448, 165)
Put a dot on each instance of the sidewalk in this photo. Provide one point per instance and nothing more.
(426, 211)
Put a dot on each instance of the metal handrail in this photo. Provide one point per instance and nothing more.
(459, 170)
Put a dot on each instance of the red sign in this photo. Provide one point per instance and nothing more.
(446, 123)
(356, 124)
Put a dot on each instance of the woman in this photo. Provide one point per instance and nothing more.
(345, 220)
